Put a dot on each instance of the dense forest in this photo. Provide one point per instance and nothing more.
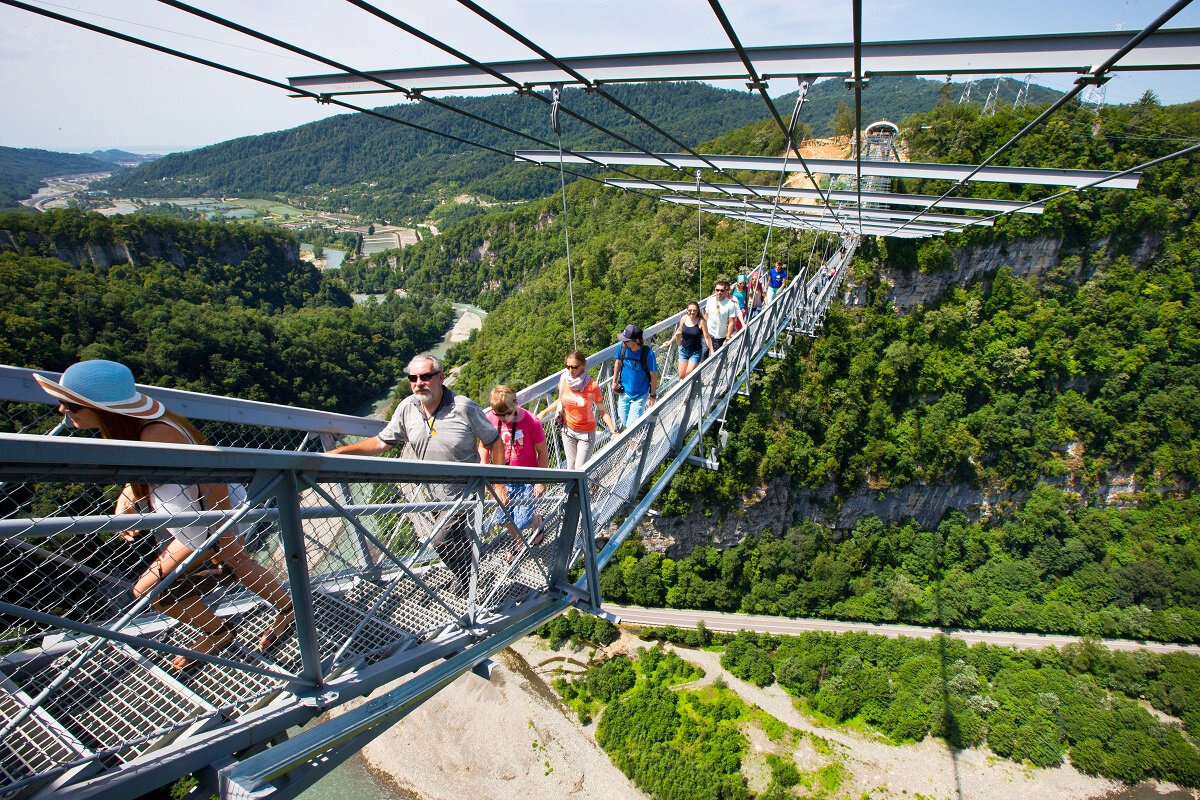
(22, 170)
(1129, 572)
(226, 309)
(1042, 707)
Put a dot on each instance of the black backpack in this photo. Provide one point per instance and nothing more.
(622, 351)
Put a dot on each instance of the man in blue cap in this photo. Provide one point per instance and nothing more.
(635, 381)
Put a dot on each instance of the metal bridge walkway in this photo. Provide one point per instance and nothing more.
(89, 705)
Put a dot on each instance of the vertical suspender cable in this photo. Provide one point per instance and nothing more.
(562, 183)
(787, 151)
(699, 240)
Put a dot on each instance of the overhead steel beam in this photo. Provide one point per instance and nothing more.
(765, 216)
(874, 228)
(846, 214)
(1176, 48)
(921, 200)
(838, 166)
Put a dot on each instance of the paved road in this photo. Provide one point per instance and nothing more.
(718, 621)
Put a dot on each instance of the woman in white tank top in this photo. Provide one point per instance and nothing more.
(101, 394)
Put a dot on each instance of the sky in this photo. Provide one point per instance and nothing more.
(72, 90)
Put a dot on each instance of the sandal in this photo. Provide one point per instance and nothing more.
(539, 536)
(211, 644)
(284, 620)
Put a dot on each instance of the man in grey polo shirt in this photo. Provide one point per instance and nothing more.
(436, 424)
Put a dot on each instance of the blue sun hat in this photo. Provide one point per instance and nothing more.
(103, 385)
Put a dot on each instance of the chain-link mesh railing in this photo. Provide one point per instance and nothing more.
(123, 630)
(152, 592)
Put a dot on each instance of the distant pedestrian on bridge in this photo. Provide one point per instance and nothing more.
(776, 279)
(436, 424)
(754, 292)
(524, 442)
(580, 402)
(720, 312)
(101, 395)
(692, 335)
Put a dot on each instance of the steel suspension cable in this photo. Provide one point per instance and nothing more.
(787, 151)
(556, 126)
(1094, 76)
(1187, 151)
(756, 83)
(858, 86)
(699, 238)
(518, 87)
(411, 94)
(592, 86)
(320, 98)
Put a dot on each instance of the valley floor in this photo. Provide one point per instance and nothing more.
(510, 737)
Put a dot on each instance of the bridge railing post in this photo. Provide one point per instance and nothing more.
(291, 534)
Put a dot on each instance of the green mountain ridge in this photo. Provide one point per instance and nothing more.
(22, 170)
(388, 172)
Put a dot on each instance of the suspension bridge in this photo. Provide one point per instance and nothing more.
(89, 703)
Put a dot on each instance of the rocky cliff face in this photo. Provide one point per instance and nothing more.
(777, 507)
(1028, 258)
(151, 245)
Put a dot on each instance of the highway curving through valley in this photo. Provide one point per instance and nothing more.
(759, 623)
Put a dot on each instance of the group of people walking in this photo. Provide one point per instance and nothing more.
(433, 424)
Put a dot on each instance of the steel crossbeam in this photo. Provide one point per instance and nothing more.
(835, 196)
(846, 214)
(836, 166)
(831, 225)
(1171, 49)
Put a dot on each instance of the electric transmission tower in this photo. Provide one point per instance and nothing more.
(1022, 94)
(993, 98)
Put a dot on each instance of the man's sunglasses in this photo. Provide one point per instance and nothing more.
(424, 376)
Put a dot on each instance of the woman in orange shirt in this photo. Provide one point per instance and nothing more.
(579, 398)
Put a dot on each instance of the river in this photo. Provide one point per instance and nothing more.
(466, 318)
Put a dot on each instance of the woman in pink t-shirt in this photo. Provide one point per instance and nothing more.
(524, 446)
(579, 398)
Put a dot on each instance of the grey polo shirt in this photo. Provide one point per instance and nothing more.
(448, 435)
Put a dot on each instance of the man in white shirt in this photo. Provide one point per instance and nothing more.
(719, 314)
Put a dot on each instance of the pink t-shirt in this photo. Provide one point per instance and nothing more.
(520, 439)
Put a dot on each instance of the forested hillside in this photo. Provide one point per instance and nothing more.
(22, 170)
(829, 108)
(206, 307)
(388, 172)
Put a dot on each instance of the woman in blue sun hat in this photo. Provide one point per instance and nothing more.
(100, 394)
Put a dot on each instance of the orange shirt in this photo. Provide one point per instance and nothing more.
(577, 407)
